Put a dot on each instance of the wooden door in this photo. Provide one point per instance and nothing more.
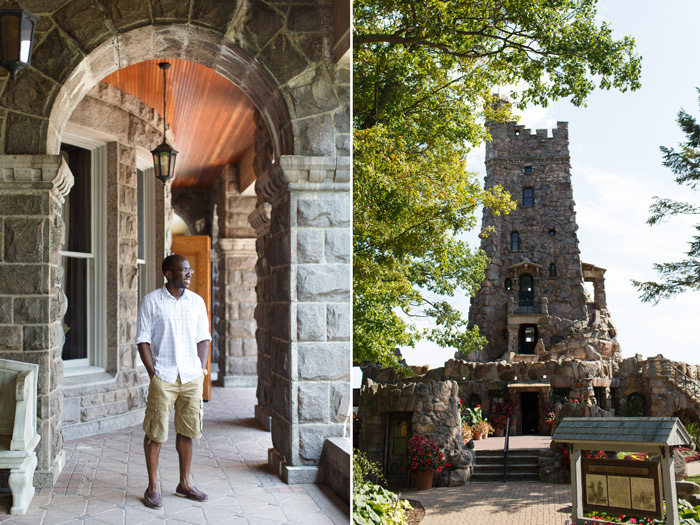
(197, 250)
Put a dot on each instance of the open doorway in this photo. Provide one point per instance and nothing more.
(529, 405)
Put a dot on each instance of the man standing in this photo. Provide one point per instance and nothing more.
(173, 340)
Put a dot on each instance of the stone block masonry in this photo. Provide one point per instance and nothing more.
(235, 299)
(309, 239)
(32, 302)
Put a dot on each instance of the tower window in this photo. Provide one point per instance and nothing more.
(552, 232)
(552, 270)
(508, 285)
(517, 133)
(528, 170)
(514, 241)
(528, 197)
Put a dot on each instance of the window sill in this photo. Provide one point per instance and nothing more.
(84, 375)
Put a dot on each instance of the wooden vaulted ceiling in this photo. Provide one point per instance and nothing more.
(212, 118)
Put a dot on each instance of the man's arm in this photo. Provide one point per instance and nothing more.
(203, 352)
(147, 358)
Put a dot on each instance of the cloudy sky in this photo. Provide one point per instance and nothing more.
(616, 170)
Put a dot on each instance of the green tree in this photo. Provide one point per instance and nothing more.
(677, 277)
(423, 74)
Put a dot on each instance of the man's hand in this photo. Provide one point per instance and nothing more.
(147, 358)
(203, 352)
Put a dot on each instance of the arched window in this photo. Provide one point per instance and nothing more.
(514, 241)
(528, 197)
(552, 270)
(508, 285)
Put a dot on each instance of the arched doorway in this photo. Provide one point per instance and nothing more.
(301, 166)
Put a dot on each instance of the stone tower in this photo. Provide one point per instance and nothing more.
(533, 304)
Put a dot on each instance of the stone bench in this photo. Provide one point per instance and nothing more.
(18, 436)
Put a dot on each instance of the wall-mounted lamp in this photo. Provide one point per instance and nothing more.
(16, 36)
(164, 155)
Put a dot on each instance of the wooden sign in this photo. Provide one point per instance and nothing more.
(622, 487)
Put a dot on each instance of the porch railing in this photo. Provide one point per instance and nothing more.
(505, 450)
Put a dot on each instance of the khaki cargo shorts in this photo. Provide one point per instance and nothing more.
(187, 399)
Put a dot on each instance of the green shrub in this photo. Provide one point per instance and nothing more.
(371, 503)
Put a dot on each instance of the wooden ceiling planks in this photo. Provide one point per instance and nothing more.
(212, 118)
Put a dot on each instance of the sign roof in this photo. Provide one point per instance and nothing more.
(630, 430)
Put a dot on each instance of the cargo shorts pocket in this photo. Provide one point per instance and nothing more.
(155, 421)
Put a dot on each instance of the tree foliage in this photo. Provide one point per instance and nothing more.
(423, 75)
(677, 277)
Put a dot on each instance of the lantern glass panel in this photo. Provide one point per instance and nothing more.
(165, 163)
(10, 37)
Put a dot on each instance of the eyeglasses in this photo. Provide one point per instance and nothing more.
(185, 271)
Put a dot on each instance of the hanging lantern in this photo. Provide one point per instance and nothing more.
(164, 155)
(16, 35)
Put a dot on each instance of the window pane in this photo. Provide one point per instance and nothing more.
(78, 210)
(75, 285)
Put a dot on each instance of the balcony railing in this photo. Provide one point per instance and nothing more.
(531, 306)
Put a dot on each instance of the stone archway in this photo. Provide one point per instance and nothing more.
(302, 218)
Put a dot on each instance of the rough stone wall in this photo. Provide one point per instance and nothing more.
(435, 413)
(547, 235)
(32, 303)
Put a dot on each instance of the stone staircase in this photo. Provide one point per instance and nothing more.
(523, 465)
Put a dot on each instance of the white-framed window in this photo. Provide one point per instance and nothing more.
(148, 265)
(146, 219)
(84, 257)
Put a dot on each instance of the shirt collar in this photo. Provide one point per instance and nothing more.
(186, 294)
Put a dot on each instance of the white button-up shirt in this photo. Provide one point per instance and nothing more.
(173, 327)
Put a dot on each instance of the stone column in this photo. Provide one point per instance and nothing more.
(260, 220)
(236, 298)
(32, 302)
(122, 255)
(308, 250)
(236, 324)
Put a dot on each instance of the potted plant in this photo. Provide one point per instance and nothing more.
(424, 459)
(474, 417)
(482, 429)
(466, 431)
(499, 425)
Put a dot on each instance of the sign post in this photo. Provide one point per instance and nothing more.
(623, 487)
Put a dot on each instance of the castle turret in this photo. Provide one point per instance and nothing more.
(533, 304)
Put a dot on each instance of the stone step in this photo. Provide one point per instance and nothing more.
(511, 452)
(515, 469)
(498, 478)
(523, 465)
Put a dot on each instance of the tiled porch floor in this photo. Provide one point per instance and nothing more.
(105, 477)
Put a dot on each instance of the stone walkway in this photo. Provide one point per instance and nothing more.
(105, 477)
(495, 504)
(498, 503)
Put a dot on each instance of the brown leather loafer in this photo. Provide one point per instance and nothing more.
(193, 493)
(152, 501)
